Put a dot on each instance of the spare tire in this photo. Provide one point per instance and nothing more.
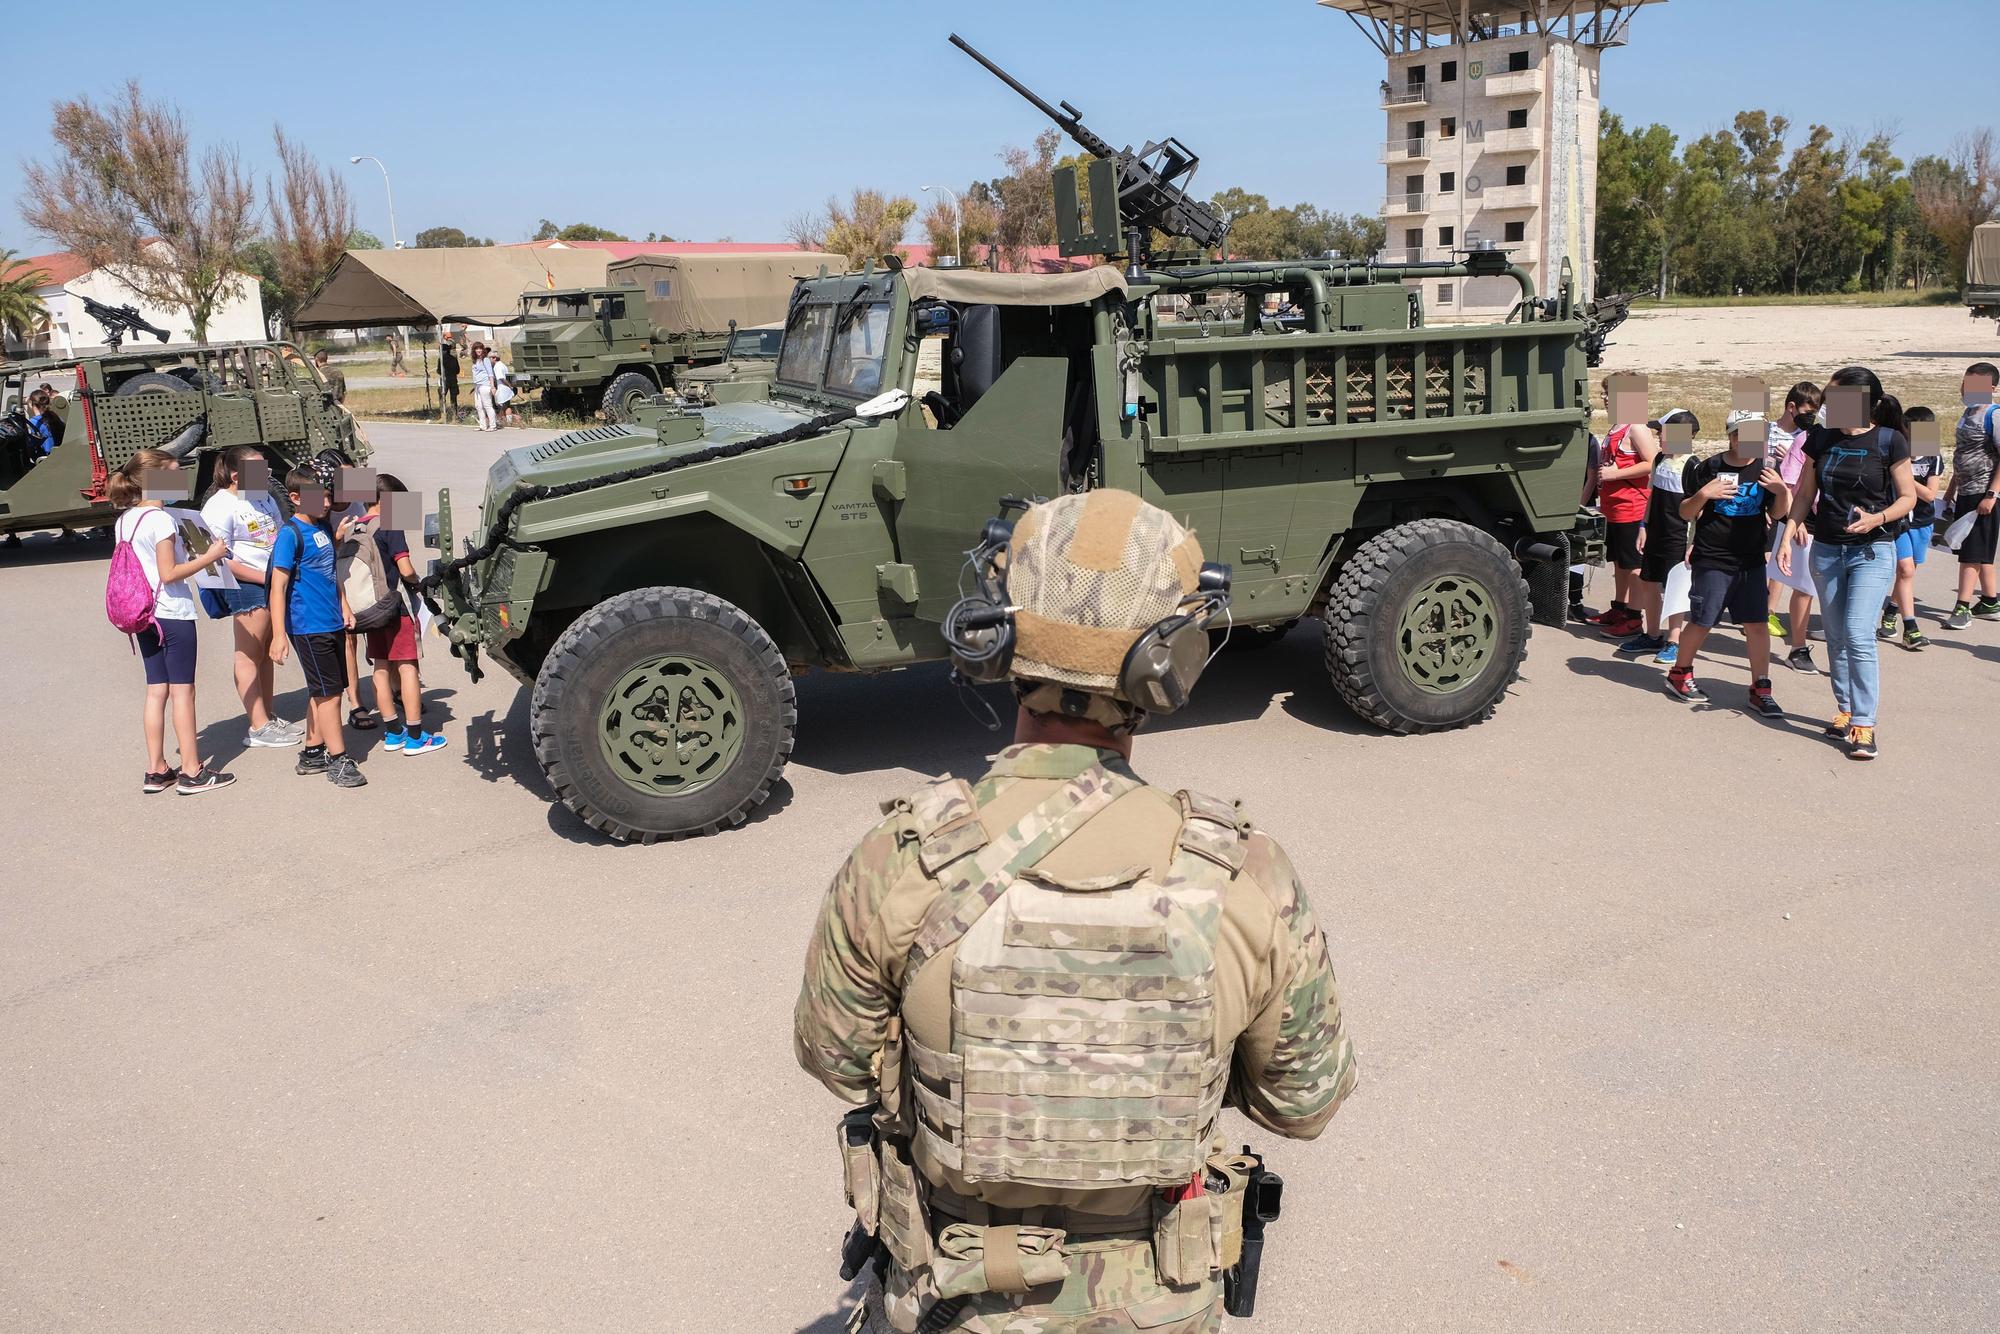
(625, 393)
(196, 377)
(155, 382)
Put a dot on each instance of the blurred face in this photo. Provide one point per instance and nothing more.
(1976, 390)
(1846, 407)
(310, 502)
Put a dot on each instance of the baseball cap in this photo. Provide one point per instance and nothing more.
(1738, 416)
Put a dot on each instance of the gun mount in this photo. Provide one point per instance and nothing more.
(119, 321)
(1151, 186)
(1603, 315)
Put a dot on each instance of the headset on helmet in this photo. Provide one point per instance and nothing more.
(1159, 670)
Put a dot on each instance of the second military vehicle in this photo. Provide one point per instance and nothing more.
(192, 401)
(607, 349)
(658, 585)
(1982, 272)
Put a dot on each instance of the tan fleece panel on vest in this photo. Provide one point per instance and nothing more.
(1103, 530)
(1139, 827)
(1097, 649)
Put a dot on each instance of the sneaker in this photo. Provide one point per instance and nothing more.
(1668, 656)
(344, 772)
(1861, 744)
(1800, 660)
(295, 728)
(1960, 618)
(312, 760)
(426, 743)
(1817, 635)
(393, 740)
(1986, 609)
(1625, 626)
(363, 720)
(1614, 612)
(1777, 626)
(1760, 700)
(1842, 724)
(1639, 644)
(1886, 627)
(208, 780)
(272, 733)
(1913, 639)
(158, 782)
(1681, 686)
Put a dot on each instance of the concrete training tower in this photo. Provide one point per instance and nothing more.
(1492, 135)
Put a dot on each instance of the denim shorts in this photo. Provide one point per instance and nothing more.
(245, 597)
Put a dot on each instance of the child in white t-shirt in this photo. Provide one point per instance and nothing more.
(245, 519)
(167, 646)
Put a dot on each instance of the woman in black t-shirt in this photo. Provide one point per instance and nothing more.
(1855, 485)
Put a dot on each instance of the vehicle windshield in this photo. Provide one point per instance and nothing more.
(563, 306)
(756, 342)
(804, 353)
(858, 348)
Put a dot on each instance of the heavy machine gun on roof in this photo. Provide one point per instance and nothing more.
(1603, 315)
(1151, 187)
(119, 321)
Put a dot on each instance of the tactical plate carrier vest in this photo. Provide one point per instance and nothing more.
(1083, 1050)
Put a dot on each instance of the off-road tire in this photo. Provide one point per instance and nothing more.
(155, 382)
(1548, 585)
(624, 393)
(607, 641)
(1369, 599)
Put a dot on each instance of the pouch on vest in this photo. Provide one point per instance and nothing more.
(1184, 1237)
(903, 1226)
(860, 1172)
(972, 1259)
(1228, 1173)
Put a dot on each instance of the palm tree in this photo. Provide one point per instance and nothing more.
(20, 307)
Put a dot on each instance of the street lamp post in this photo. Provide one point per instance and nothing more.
(394, 239)
(957, 221)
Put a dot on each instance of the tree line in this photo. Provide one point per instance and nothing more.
(1742, 211)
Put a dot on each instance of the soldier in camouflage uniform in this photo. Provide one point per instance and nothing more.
(1049, 982)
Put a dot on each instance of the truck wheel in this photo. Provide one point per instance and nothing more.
(1426, 627)
(624, 393)
(663, 713)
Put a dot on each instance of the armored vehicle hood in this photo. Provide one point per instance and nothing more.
(659, 433)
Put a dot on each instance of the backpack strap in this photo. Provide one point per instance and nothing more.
(976, 881)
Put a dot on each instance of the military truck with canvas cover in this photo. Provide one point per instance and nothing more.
(658, 585)
(191, 401)
(608, 349)
(1982, 272)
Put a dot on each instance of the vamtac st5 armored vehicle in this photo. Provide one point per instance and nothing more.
(657, 585)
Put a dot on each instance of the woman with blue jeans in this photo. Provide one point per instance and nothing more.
(1855, 485)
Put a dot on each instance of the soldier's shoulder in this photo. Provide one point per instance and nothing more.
(1267, 866)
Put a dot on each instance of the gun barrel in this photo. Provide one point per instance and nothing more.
(1066, 117)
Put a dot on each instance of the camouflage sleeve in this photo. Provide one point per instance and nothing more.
(847, 996)
(1294, 1063)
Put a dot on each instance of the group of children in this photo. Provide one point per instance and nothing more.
(290, 597)
(1851, 498)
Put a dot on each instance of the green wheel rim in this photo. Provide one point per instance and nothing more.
(671, 726)
(1448, 634)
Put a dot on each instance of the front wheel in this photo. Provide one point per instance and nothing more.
(663, 713)
(1426, 627)
(625, 393)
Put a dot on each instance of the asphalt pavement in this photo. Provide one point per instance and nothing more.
(1668, 1018)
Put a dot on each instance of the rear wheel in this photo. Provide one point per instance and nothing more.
(625, 393)
(1427, 627)
(663, 713)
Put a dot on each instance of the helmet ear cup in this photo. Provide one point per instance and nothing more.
(1162, 665)
(980, 635)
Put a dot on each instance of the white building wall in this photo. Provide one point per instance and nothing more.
(237, 317)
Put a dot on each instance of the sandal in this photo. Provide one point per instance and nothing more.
(364, 720)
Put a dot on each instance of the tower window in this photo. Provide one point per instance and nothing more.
(1413, 237)
(1445, 235)
(1448, 72)
(1448, 127)
(1447, 182)
(1444, 294)
(1516, 231)
(1517, 175)
(1517, 60)
(1517, 119)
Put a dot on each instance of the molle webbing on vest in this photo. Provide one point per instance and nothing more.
(1083, 1015)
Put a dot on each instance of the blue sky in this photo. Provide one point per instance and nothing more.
(723, 119)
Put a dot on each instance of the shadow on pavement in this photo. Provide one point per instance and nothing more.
(53, 550)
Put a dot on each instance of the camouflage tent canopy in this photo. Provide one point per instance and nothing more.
(472, 285)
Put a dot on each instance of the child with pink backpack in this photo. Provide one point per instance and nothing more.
(146, 595)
